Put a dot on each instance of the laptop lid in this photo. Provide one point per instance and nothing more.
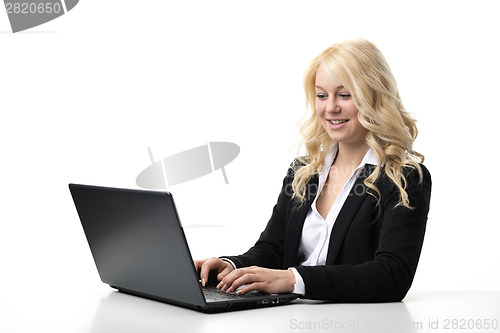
(138, 243)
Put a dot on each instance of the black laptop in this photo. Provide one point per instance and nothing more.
(139, 248)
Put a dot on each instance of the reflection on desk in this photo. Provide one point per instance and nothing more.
(420, 312)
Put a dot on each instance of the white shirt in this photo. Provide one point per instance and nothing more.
(316, 231)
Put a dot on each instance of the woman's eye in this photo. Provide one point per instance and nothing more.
(320, 96)
(345, 96)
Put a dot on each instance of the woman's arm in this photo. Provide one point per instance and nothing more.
(269, 248)
(267, 252)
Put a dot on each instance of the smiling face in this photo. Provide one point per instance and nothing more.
(337, 111)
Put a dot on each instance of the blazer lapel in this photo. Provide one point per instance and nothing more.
(346, 215)
(295, 224)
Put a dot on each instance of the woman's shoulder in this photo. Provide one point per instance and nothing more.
(414, 174)
(414, 178)
(298, 163)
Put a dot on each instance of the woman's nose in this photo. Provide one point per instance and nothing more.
(332, 106)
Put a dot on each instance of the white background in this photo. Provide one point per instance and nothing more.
(83, 96)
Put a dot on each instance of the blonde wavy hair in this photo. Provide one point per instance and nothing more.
(364, 72)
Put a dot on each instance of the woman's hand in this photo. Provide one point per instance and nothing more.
(205, 266)
(258, 278)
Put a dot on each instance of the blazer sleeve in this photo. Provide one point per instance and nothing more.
(268, 251)
(389, 275)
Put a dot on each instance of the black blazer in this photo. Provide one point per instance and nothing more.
(373, 251)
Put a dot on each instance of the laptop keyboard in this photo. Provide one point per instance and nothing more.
(213, 294)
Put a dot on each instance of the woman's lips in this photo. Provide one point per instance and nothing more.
(337, 123)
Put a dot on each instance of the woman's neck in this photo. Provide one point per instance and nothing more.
(350, 156)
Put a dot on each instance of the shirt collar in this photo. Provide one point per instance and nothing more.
(369, 158)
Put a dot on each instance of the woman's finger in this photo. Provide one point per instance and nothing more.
(228, 280)
(207, 266)
(246, 278)
(234, 279)
(251, 287)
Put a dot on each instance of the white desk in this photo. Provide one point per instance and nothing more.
(420, 312)
(114, 312)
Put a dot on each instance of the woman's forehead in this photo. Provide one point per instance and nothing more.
(326, 79)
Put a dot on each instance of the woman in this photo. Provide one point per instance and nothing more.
(350, 219)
